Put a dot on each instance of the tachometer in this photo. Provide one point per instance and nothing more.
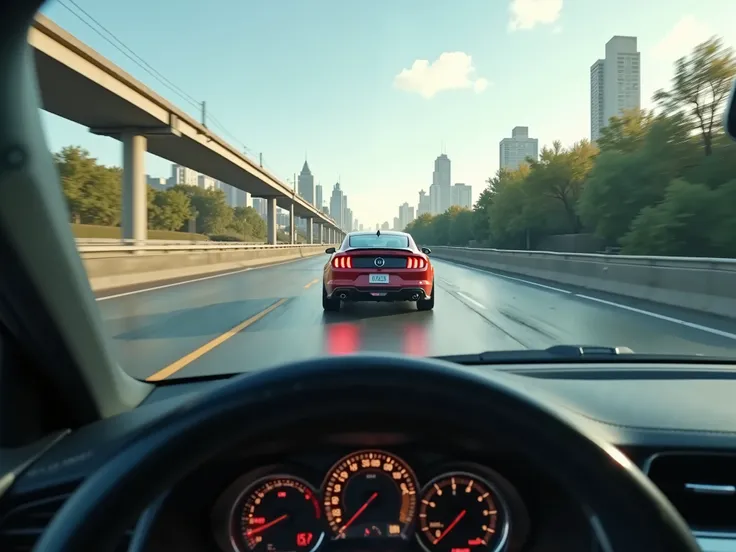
(370, 494)
(460, 512)
(278, 514)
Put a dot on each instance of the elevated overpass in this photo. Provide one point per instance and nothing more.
(80, 85)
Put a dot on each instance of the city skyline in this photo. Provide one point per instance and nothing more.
(414, 92)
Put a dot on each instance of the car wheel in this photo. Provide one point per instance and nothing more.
(426, 304)
(329, 305)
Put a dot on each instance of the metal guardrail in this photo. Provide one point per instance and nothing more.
(662, 261)
(150, 247)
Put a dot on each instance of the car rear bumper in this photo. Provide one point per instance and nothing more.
(378, 293)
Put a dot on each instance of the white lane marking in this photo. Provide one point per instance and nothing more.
(154, 288)
(490, 272)
(476, 303)
(660, 316)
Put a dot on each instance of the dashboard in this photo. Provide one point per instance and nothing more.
(366, 491)
(394, 487)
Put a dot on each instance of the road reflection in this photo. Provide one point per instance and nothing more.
(344, 338)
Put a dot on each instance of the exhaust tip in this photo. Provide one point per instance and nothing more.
(343, 296)
(415, 297)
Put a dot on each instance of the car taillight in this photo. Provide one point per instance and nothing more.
(416, 262)
(342, 262)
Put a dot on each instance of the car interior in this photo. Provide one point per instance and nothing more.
(590, 451)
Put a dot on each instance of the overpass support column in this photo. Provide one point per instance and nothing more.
(292, 228)
(320, 234)
(135, 193)
(271, 220)
(310, 230)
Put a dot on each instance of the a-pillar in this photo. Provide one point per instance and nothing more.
(271, 219)
(310, 230)
(292, 230)
(135, 193)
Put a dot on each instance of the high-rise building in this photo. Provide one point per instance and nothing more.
(514, 151)
(406, 215)
(462, 196)
(344, 212)
(424, 205)
(183, 176)
(615, 83)
(305, 186)
(158, 184)
(440, 193)
(336, 205)
(205, 182)
(385, 226)
(318, 197)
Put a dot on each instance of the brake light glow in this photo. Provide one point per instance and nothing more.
(342, 262)
(416, 262)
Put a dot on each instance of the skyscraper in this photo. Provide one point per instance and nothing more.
(305, 187)
(336, 205)
(514, 151)
(423, 206)
(406, 215)
(615, 83)
(318, 197)
(462, 196)
(440, 192)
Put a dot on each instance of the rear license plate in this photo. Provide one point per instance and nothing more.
(378, 278)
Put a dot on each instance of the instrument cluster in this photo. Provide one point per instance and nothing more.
(369, 497)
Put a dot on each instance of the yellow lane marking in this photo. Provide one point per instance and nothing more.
(174, 367)
(311, 283)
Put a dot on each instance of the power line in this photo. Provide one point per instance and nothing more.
(135, 58)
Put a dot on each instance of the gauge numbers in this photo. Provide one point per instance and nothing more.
(370, 494)
(279, 514)
(460, 512)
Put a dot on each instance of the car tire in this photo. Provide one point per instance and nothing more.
(426, 304)
(329, 305)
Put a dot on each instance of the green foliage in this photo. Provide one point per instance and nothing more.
(115, 233)
(656, 183)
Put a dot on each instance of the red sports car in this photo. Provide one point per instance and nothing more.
(378, 266)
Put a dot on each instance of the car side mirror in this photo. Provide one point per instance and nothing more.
(330, 250)
(729, 114)
(426, 250)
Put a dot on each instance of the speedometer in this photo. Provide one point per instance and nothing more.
(370, 494)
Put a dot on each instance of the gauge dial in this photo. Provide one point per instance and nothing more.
(278, 514)
(370, 494)
(460, 512)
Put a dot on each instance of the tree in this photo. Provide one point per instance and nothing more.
(214, 215)
(700, 86)
(168, 210)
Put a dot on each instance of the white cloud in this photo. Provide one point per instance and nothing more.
(451, 71)
(687, 33)
(527, 14)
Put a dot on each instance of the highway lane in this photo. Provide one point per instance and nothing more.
(262, 317)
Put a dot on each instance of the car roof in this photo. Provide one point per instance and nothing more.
(383, 233)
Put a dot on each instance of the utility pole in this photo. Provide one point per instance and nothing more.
(260, 160)
(204, 114)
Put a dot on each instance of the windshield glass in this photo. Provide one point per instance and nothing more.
(378, 241)
(561, 166)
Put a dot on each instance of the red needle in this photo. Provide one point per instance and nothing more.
(449, 527)
(266, 526)
(360, 511)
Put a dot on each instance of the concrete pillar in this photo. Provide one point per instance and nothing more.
(271, 220)
(310, 230)
(320, 233)
(134, 220)
(292, 227)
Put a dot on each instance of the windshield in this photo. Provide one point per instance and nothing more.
(560, 165)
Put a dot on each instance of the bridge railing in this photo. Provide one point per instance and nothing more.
(130, 246)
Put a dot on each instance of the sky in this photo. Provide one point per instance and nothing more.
(370, 93)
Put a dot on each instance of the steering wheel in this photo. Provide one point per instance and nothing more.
(627, 511)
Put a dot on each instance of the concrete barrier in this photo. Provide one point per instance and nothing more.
(701, 284)
(116, 270)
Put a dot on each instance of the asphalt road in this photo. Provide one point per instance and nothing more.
(261, 317)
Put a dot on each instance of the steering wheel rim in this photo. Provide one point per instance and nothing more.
(631, 514)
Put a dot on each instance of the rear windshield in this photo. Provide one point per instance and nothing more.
(379, 242)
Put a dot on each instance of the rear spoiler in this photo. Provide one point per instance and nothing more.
(377, 249)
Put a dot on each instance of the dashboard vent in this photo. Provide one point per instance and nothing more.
(23, 524)
(701, 486)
